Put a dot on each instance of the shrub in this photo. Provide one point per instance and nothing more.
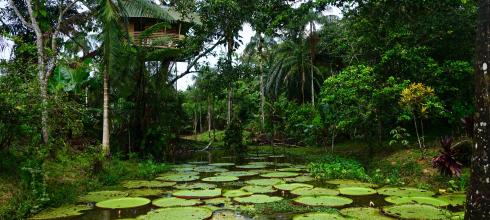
(336, 167)
(233, 139)
(446, 162)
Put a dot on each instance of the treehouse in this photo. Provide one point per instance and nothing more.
(161, 36)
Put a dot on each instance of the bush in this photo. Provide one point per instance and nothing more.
(336, 167)
(233, 139)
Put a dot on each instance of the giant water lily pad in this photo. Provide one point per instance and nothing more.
(173, 201)
(416, 211)
(416, 199)
(180, 213)
(183, 177)
(455, 199)
(237, 173)
(220, 179)
(318, 216)
(356, 191)
(217, 201)
(61, 212)
(236, 193)
(292, 186)
(210, 169)
(102, 195)
(290, 169)
(222, 164)
(135, 184)
(123, 203)
(258, 189)
(198, 162)
(145, 192)
(299, 179)
(188, 173)
(198, 194)
(183, 169)
(227, 215)
(458, 216)
(252, 166)
(265, 182)
(195, 186)
(258, 198)
(332, 201)
(364, 213)
(349, 183)
(404, 191)
(314, 192)
(279, 174)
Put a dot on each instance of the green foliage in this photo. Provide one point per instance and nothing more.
(399, 136)
(233, 140)
(337, 167)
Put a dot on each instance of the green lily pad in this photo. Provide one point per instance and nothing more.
(198, 193)
(123, 203)
(236, 193)
(217, 201)
(180, 213)
(265, 182)
(357, 191)
(332, 201)
(300, 179)
(183, 169)
(102, 195)
(290, 169)
(416, 211)
(145, 192)
(265, 163)
(198, 162)
(222, 164)
(258, 189)
(220, 179)
(292, 186)
(252, 166)
(195, 186)
(404, 191)
(318, 216)
(364, 213)
(237, 173)
(178, 177)
(61, 212)
(279, 174)
(258, 198)
(227, 215)
(314, 192)
(188, 173)
(348, 183)
(135, 184)
(416, 199)
(455, 199)
(173, 201)
(458, 216)
(210, 169)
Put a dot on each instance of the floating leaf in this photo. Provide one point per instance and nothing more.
(195, 186)
(61, 212)
(135, 184)
(198, 162)
(220, 179)
(318, 216)
(178, 177)
(265, 182)
(332, 201)
(123, 203)
(416, 199)
(292, 186)
(173, 201)
(237, 173)
(145, 192)
(102, 195)
(349, 183)
(299, 179)
(180, 213)
(258, 198)
(290, 169)
(199, 194)
(258, 189)
(236, 193)
(210, 169)
(279, 174)
(364, 213)
(222, 164)
(456, 199)
(227, 215)
(416, 211)
(356, 191)
(404, 191)
(217, 201)
(252, 166)
(315, 192)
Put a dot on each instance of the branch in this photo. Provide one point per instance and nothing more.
(194, 62)
(58, 25)
(34, 23)
(22, 19)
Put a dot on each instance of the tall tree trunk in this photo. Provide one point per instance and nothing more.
(44, 108)
(478, 199)
(303, 79)
(262, 87)
(312, 57)
(200, 118)
(209, 117)
(228, 112)
(105, 121)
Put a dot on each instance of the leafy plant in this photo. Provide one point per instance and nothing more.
(336, 167)
(399, 136)
(446, 162)
(233, 139)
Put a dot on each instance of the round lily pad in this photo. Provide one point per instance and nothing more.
(455, 199)
(290, 169)
(145, 192)
(173, 201)
(178, 177)
(318, 216)
(210, 169)
(314, 192)
(228, 215)
(198, 193)
(404, 191)
(236, 193)
(183, 169)
(265, 182)
(292, 186)
(123, 203)
(279, 174)
(220, 179)
(364, 213)
(180, 213)
(198, 162)
(258, 198)
(237, 173)
(332, 201)
(102, 195)
(61, 212)
(222, 164)
(357, 191)
(416, 211)
(188, 173)
(458, 216)
(217, 201)
(348, 183)
(258, 189)
(252, 166)
(416, 199)
(195, 186)
(299, 179)
(135, 184)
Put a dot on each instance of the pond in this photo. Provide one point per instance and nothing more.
(259, 187)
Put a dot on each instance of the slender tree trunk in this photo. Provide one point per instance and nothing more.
(312, 54)
(303, 79)
(105, 121)
(44, 110)
(209, 117)
(417, 132)
(195, 123)
(200, 118)
(228, 112)
(262, 87)
(478, 199)
(333, 138)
